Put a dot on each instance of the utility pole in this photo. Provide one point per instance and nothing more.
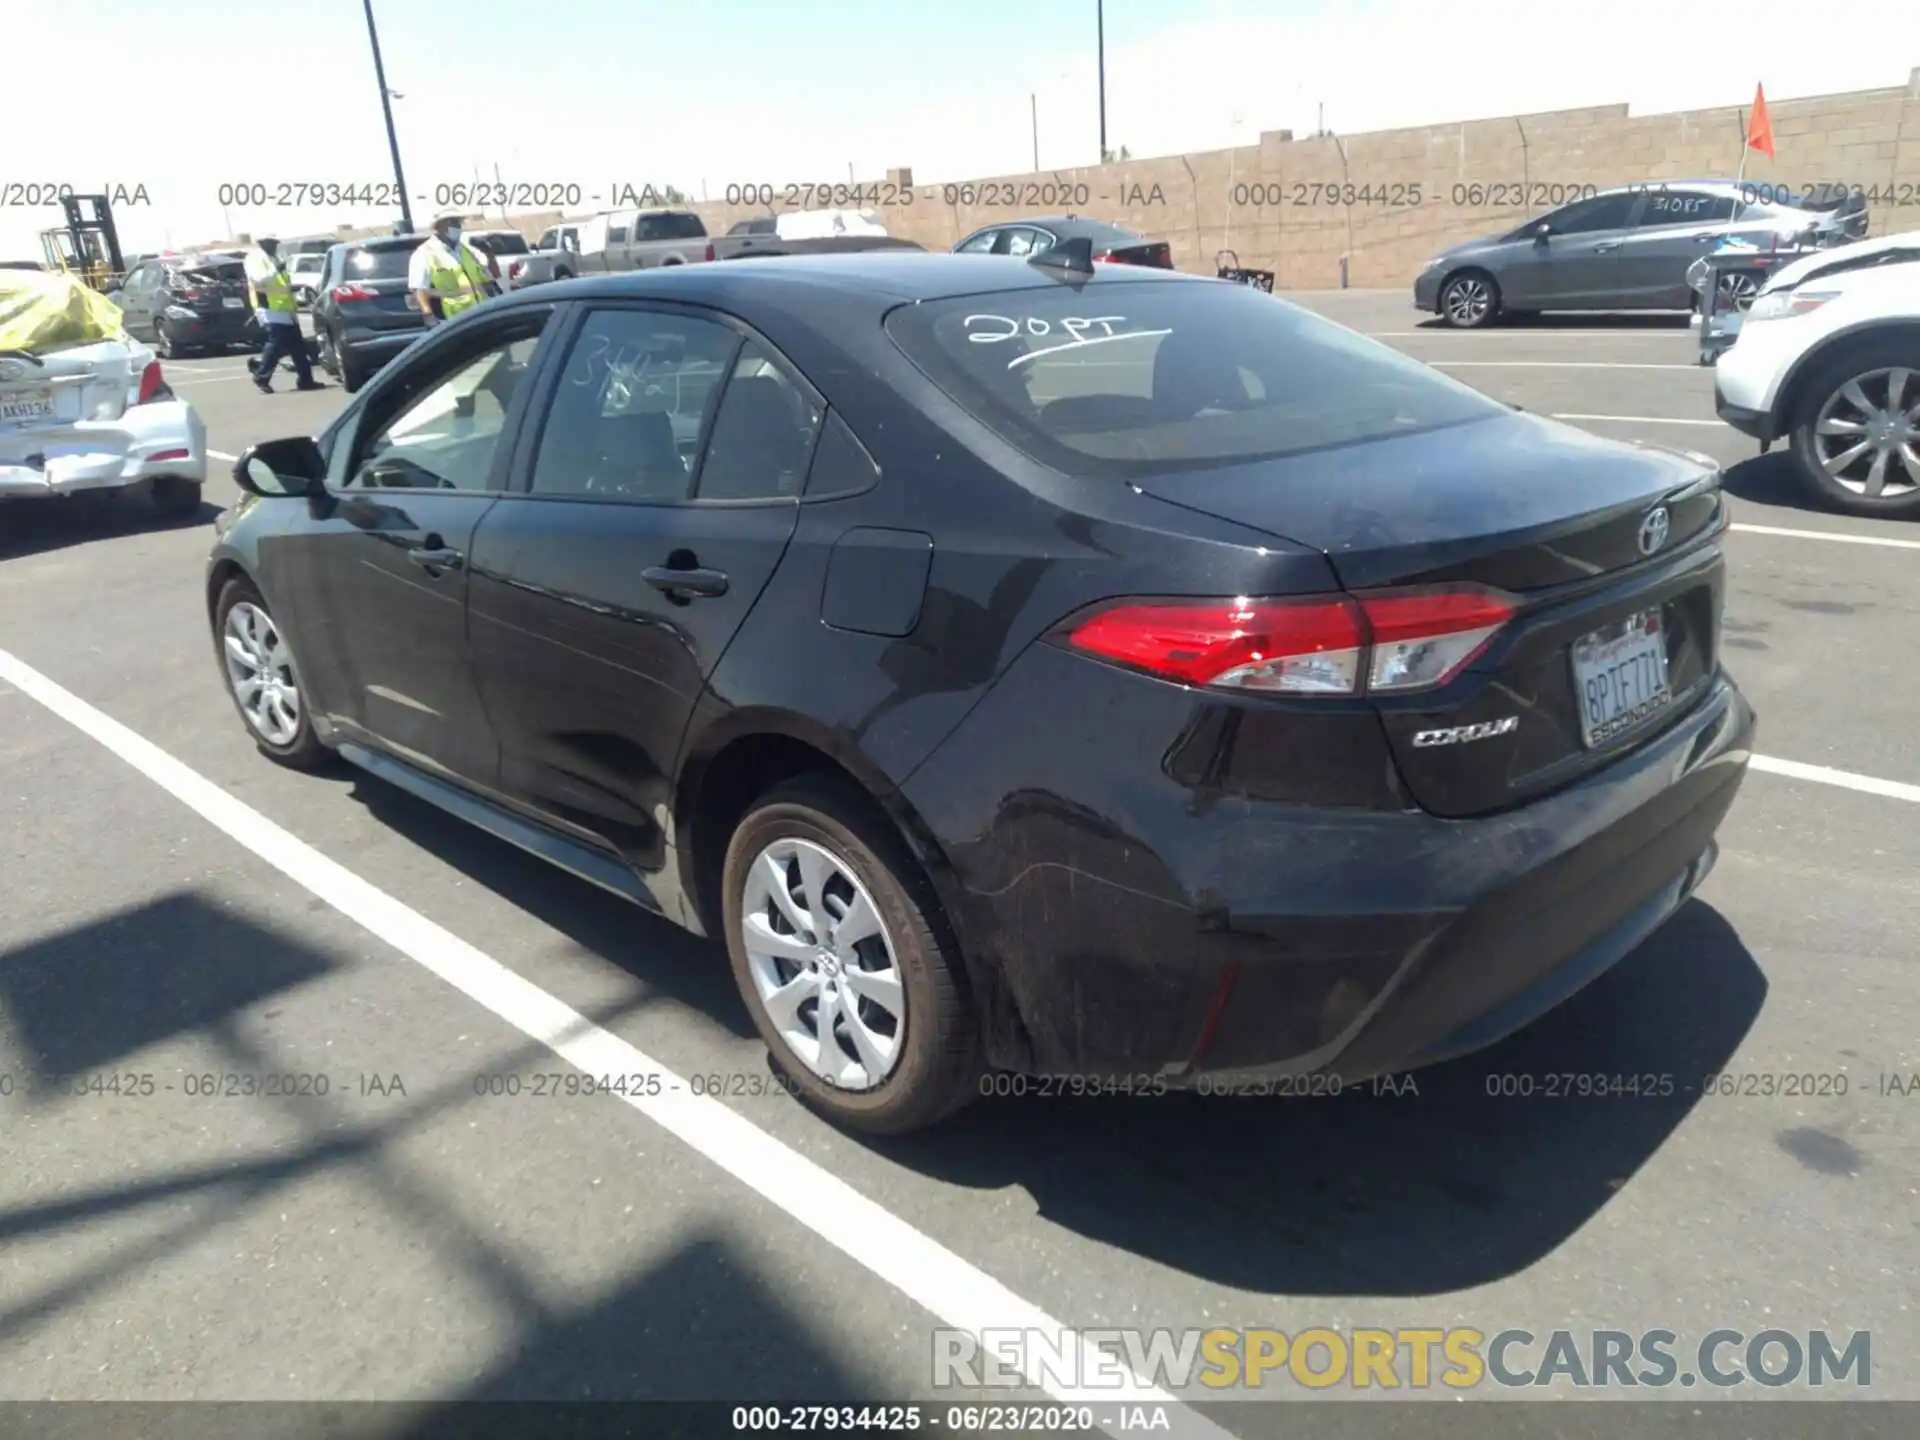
(1033, 99)
(1099, 22)
(386, 106)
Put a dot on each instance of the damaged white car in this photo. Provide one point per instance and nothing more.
(84, 408)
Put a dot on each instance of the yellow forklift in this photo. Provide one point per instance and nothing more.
(87, 246)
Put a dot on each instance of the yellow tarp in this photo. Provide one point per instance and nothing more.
(42, 312)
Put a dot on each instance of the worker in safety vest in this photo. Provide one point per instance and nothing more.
(278, 311)
(447, 275)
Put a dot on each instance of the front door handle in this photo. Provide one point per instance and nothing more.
(683, 584)
(1605, 247)
(435, 558)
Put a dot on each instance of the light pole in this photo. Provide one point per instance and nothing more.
(1034, 101)
(386, 108)
(1099, 29)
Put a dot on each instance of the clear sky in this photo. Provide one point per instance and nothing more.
(183, 96)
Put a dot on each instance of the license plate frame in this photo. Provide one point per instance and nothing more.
(232, 302)
(1620, 676)
(27, 405)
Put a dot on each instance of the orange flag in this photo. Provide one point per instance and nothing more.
(1760, 124)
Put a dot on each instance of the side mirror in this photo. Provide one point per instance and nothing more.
(279, 469)
(1542, 232)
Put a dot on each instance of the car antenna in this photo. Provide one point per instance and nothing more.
(1074, 256)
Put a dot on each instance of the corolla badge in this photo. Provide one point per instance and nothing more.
(1461, 734)
(1654, 529)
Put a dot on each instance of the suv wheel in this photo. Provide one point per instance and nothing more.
(1856, 427)
(261, 678)
(842, 955)
(163, 346)
(1469, 299)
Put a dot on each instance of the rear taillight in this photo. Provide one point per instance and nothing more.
(1388, 643)
(516, 269)
(189, 294)
(347, 294)
(709, 250)
(152, 385)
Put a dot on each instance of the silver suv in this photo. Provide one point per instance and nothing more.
(1626, 249)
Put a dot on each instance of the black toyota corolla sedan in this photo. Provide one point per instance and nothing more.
(1031, 666)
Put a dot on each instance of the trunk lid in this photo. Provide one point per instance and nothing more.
(86, 382)
(1554, 518)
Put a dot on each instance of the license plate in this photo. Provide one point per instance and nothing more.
(1620, 677)
(232, 302)
(23, 407)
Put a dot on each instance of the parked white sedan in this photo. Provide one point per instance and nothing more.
(85, 409)
(1828, 358)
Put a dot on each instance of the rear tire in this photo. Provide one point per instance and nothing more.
(1469, 300)
(933, 1064)
(353, 373)
(165, 347)
(176, 495)
(301, 748)
(1861, 366)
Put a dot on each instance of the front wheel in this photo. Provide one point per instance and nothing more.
(842, 956)
(1856, 432)
(261, 678)
(1469, 300)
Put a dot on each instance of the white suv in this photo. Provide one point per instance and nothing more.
(1829, 358)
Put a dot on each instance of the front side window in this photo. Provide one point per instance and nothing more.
(1602, 212)
(1138, 378)
(981, 244)
(446, 437)
(631, 406)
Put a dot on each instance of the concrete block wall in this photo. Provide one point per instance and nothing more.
(1384, 201)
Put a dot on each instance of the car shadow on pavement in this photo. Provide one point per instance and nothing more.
(1774, 479)
(32, 527)
(1656, 321)
(661, 955)
(1450, 1178)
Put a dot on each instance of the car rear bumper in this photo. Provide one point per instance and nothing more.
(1135, 926)
(37, 465)
(229, 327)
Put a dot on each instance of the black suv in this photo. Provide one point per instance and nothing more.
(189, 304)
(362, 314)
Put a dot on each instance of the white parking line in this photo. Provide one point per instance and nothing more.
(1637, 419)
(174, 381)
(1845, 779)
(221, 455)
(1437, 332)
(915, 1264)
(1834, 535)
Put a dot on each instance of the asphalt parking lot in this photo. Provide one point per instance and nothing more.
(174, 907)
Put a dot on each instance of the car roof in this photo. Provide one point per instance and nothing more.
(885, 277)
(1066, 226)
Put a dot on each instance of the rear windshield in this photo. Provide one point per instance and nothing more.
(389, 262)
(215, 272)
(1146, 378)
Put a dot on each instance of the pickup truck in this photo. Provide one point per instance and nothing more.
(613, 243)
(806, 232)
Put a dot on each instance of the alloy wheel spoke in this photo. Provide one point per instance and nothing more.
(1910, 461)
(1857, 398)
(784, 1001)
(1896, 388)
(783, 897)
(861, 922)
(815, 871)
(1833, 425)
(830, 1058)
(873, 1050)
(1839, 462)
(762, 938)
(237, 650)
(882, 987)
(1877, 472)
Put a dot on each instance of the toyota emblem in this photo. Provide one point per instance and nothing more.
(11, 369)
(1653, 530)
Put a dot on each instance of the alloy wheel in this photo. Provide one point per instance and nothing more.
(1867, 434)
(1468, 300)
(823, 964)
(260, 670)
(1737, 288)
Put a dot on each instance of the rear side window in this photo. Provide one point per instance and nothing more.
(1146, 378)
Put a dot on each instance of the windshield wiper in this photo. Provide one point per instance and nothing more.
(26, 355)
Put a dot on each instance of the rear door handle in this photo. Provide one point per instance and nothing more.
(432, 558)
(685, 583)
